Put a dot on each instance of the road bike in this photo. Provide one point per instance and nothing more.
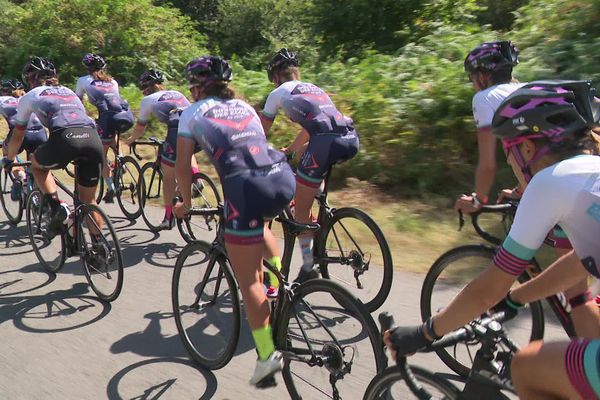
(87, 234)
(329, 341)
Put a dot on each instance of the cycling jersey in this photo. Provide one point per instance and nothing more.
(57, 107)
(486, 102)
(35, 133)
(257, 182)
(114, 115)
(332, 135)
(566, 193)
(166, 106)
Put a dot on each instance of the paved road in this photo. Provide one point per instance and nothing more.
(60, 342)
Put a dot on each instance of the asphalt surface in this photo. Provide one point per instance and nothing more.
(61, 342)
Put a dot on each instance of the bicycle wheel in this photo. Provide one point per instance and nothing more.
(206, 305)
(389, 385)
(50, 250)
(352, 245)
(12, 208)
(446, 277)
(127, 184)
(100, 190)
(100, 252)
(204, 195)
(152, 197)
(329, 341)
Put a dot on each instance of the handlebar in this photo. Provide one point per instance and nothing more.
(508, 208)
(150, 142)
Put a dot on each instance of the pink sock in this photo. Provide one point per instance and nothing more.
(168, 211)
(195, 170)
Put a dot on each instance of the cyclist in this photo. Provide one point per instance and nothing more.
(72, 137)
(327, 137)
(11, 90)
(545, 130)
(257, 184)
(166, 106)
(489, 67)
(114, 116)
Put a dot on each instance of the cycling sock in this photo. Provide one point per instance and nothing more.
(275, 262)
(264, 342)
(307, 255)
(109, 183)
(168, 211)
(195, 170)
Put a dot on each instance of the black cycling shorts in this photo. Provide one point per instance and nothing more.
(79, 144)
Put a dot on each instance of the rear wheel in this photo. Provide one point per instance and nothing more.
(127, 184)
(100, 252)
(205, 194)
(48, 248)
(152, 196)
(11, 196)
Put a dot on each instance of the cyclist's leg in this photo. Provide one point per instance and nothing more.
(167, 165)
(557, 370)
(89, 164)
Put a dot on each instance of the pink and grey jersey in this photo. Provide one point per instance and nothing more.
(160, 105)
(568, 194)
(231, 134)
(57, 107)
(486, 102)
(104, 95)
(307, 105)
(8, 109)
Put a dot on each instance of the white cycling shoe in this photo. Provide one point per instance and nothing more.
(265, 369)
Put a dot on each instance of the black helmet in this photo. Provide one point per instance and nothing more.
(208, 68)
(38, 67)
(93, 61)
(282, 59)
(10, 85)
(551, 109)
(149, 78)
(492, 56)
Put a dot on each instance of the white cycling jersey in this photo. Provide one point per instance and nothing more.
(568, 194)
(96, 90)
(486, 102)
(160, 104)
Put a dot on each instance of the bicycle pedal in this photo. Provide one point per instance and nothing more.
(267, 382)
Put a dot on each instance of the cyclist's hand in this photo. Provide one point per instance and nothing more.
(508, 306)
(405, 340)
(510, 194)
(180, 210)
(466, 205)
(6, 163)
(129, 141)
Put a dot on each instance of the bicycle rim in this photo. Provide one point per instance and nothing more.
(12, 208)
(206, 305)
(389, 385)
(127, 182)
(326, 322)
(447, 276)
(205, 194)
(152, 203)
(50, 251)
(101, 254)
(352, 248)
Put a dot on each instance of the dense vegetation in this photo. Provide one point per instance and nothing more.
(395, 66)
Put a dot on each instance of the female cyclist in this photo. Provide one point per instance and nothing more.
(257, 184)
(327, 137)
(114, 116)
(545, 130)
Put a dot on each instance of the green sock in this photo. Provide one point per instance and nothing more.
(264, 342)
(275, 262)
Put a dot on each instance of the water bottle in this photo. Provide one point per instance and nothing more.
(65, 211)
(71, 224)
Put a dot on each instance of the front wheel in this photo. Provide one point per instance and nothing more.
(151, 198)
(330, 343)
(446, 277)
(127, 185)
(353, 251)
(11, 196)
(100, 252)
(204, 195)
(389, 385)
(48, 247)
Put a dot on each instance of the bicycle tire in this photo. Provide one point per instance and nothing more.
(152, 184)
(330, 293)
(103, 258)
(13, 209)
(127, 184)
(214, 262)
(380, 387)
(466, 259)
(100, 190)
(205, 195)
(342, 221)
(44, 247)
